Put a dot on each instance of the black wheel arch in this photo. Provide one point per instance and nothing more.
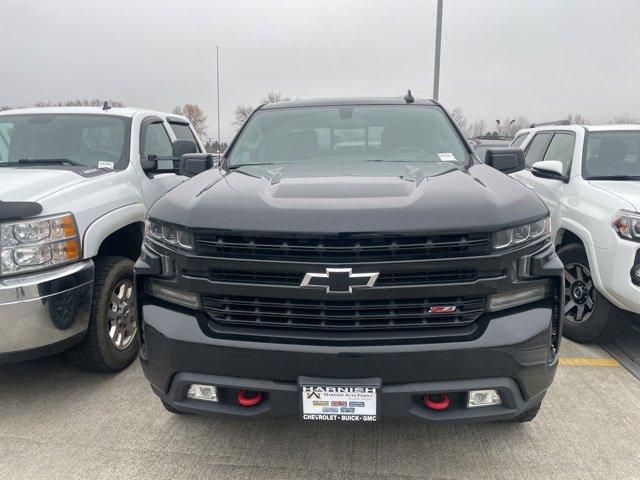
(124, 242)
(566, 237)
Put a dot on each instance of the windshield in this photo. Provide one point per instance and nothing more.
(349, 134)
(613, 155)
(59, 140)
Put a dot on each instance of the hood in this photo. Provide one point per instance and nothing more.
(381, 198)
(625, 189)
(33, 184)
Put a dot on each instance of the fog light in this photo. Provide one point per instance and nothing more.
(514, 298)
(208, 393)
(180, 297)
(483, 398)
(635, 274)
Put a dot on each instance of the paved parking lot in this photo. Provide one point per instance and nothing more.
(58, 423)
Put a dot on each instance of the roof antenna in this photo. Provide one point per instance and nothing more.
(106, 106)
(408, 97)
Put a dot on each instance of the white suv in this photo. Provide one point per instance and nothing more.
(589, 177)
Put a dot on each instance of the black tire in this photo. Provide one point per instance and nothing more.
(605, 321)
(169, 408)
(97, 352)
(528, 415)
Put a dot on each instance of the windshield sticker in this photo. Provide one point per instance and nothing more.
(447, 157)
(108, 165)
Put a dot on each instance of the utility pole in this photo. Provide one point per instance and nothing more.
(436, 68)
(218, 89)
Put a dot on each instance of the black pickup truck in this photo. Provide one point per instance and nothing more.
(351, 260)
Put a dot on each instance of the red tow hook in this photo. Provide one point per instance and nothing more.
(249, 398)
(436, 404)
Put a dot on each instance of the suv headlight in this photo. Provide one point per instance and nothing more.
(522, 234)
(627, 224)
(38, 243)
(169, 235)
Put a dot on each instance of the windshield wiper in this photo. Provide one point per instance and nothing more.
(615, 177)
(233, 167)
(384, 160)
(54, 161)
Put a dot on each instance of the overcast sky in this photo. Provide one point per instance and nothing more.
(540, 58)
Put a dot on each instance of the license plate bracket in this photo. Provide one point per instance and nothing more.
(339, 400)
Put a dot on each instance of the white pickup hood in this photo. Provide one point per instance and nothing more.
(626, 189)
(33, 184)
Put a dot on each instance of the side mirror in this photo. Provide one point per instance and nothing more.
(552, 169)
(150, 163)
(507, 160)
(191, 164)
(182, 147)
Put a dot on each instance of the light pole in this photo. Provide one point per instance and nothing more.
(436, 68)
(218, 89)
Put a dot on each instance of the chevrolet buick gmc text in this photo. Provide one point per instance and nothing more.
(351, 260)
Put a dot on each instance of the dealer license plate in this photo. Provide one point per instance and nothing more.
(339, 403)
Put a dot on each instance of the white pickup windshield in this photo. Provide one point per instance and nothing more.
(613, 155)
(341, 134)
(63, 139)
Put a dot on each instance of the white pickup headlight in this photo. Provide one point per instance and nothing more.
(522, 234)
(627, 224)
(169, 235)
(38, 243)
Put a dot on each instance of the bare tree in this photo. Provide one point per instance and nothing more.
(196, 116)
(240, 114)
(510, 126)
(273, 97)
(458, 118)
(577, 119)
(477, 129)
(212, 146)
(96, 102)
(626, 118)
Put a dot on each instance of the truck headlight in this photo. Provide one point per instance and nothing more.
(627, 224)
(38, 243)
(522, 234)
(169, 235)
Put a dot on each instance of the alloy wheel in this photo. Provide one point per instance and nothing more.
(121, 315)
(579, 293)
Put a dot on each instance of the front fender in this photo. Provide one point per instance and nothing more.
(566, 224)
(104, 226)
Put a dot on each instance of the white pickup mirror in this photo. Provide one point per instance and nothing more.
(549, 169)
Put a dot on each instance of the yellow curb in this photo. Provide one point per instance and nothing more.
(589, 362)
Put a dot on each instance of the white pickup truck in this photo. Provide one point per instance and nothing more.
(75, 186)
(589, 178)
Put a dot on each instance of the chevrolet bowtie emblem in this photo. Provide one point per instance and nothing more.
(339, 280)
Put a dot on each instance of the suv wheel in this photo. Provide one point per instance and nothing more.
(588, 315)
(112, 339)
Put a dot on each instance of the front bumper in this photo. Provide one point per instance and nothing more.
(46, 312)
(512, 356)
